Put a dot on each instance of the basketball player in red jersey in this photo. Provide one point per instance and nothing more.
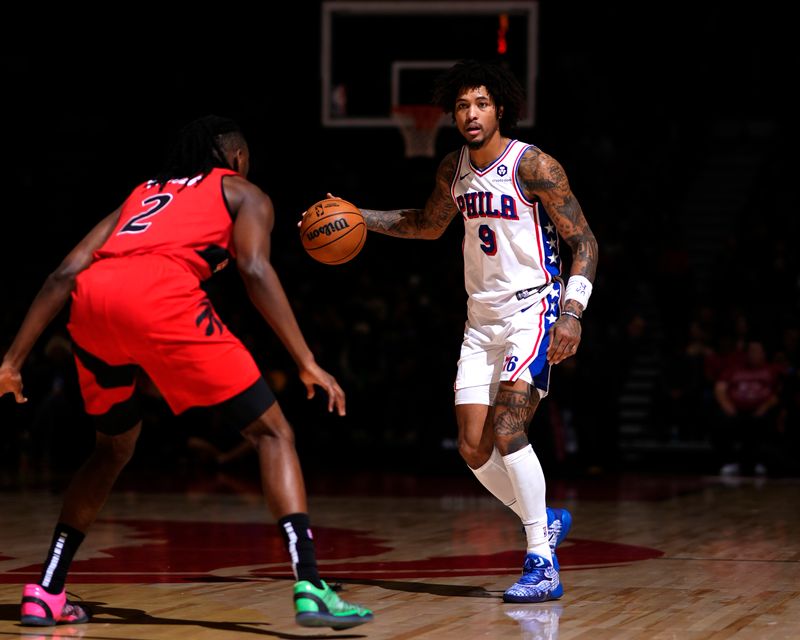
(137, 305)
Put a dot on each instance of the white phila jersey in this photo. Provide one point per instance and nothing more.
(510, 244)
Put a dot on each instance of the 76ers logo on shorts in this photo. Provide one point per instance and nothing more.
(510, 363)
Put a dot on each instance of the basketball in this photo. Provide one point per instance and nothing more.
(333, 231)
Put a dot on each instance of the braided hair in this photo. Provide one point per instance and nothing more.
(201, 146)
(504, 88)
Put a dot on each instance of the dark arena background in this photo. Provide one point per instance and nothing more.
(677, 126)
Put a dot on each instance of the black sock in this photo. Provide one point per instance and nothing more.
(296, 531)
(66, 541)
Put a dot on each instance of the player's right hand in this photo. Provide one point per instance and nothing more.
(11, 382)
(303, 213)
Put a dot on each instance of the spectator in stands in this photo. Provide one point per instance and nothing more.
(748, 396)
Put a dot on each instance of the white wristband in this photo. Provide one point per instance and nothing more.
(578, 289)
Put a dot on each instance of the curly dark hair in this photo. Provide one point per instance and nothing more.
(502, 85)
(200, 146)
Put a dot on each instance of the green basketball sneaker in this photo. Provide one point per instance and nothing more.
(323, 608)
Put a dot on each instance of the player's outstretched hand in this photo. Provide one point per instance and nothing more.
(316, 375)
(11, 382)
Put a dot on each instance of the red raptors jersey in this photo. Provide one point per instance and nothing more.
(187, 221)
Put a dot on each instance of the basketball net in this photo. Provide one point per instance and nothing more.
(419, 124)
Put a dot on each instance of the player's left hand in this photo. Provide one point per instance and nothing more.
(565, 336)
(316, 375)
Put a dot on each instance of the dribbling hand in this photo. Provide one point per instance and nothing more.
(303, 213)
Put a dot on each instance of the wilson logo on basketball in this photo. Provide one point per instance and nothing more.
(333, 231)
(332, 227)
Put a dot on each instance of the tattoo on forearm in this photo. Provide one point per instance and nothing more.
(427, 223)
(584, 254)
(404, 223)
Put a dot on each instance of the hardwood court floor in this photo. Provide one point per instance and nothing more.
(648, 557)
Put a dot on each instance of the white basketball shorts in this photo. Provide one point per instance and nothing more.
(507, 349)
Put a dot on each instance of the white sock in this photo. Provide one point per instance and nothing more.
(527, 478)
(494, 477)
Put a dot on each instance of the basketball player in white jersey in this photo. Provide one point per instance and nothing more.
(517, 205)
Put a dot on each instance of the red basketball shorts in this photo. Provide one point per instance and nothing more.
(150, 312)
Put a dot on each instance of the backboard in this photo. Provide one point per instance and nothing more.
(378, 55)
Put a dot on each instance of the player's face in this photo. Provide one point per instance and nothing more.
(476, 116)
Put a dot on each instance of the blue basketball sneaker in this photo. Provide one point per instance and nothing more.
(559, 522)
(539, 582)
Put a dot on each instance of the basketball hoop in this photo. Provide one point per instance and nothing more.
(419, 124)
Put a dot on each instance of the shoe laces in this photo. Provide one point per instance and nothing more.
(553, 531)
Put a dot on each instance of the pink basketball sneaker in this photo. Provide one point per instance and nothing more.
(42, 609)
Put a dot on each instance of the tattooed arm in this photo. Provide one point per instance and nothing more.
(543, 177)
(428, 223)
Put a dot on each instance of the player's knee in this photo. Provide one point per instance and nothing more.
(475, 454)
(268, 430)
(510, 443)
(117, 450)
